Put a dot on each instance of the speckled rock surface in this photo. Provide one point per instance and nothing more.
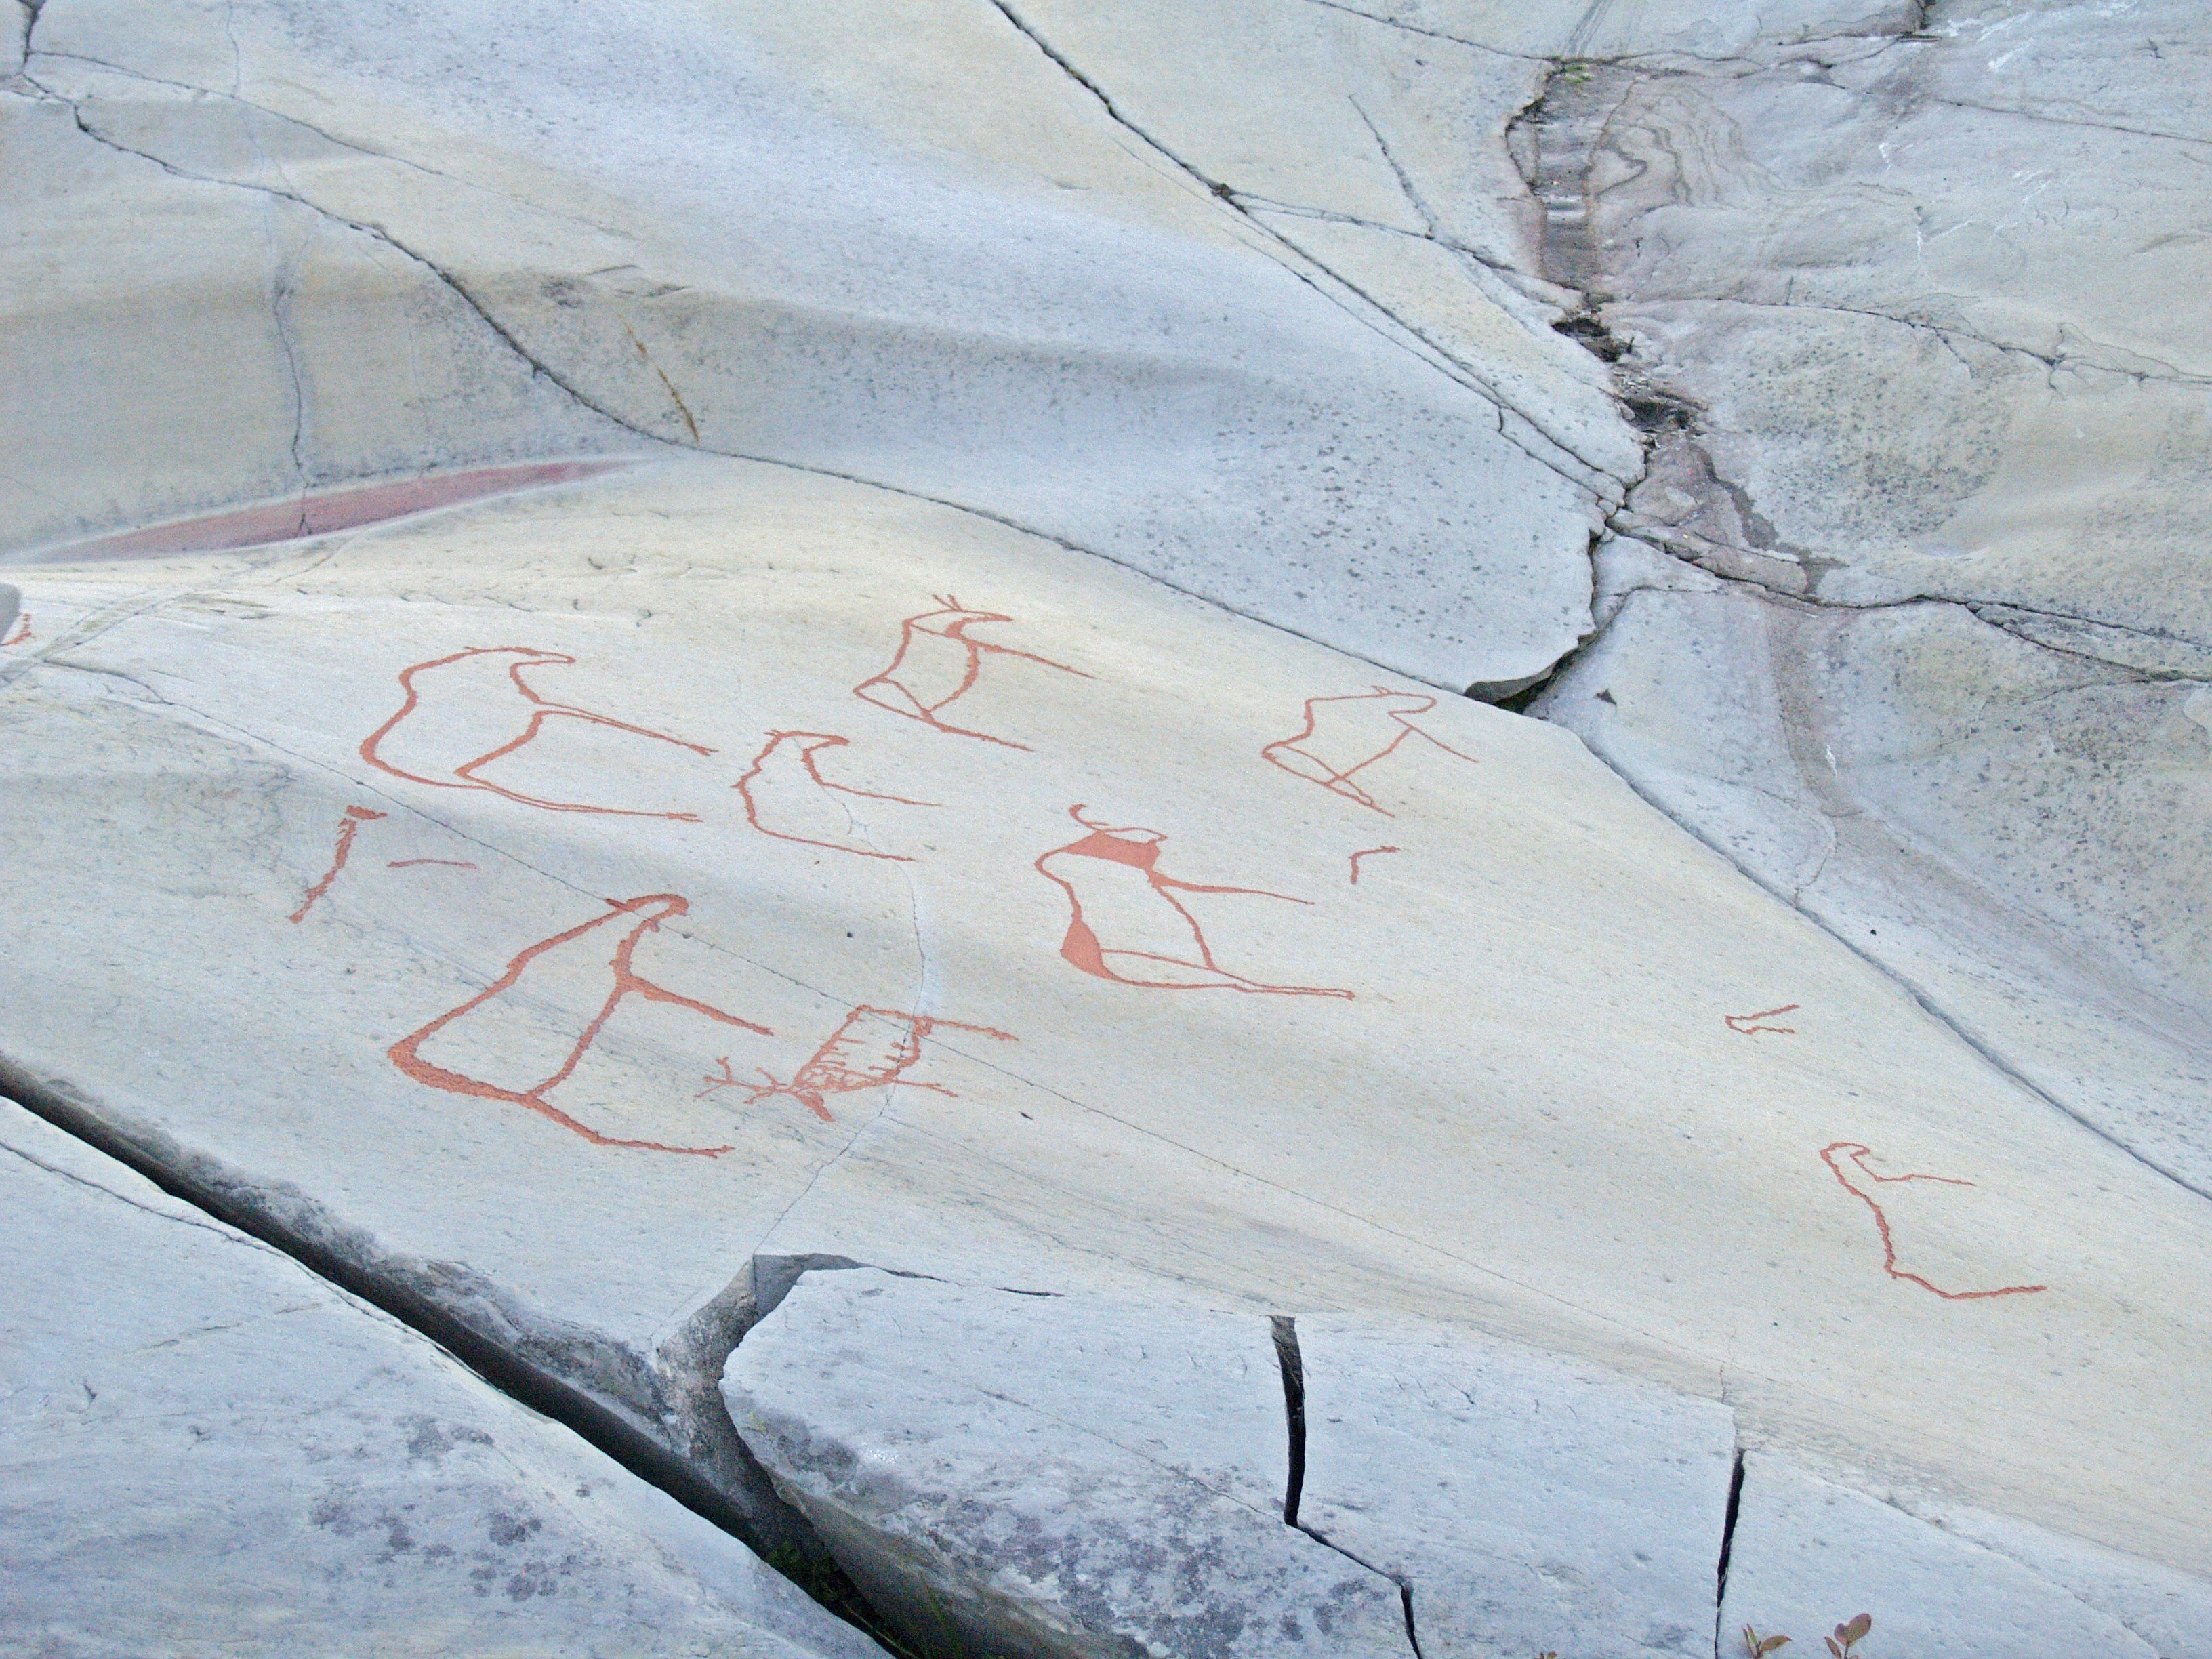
(1529, 1505)
(1050, 1475)
(208, 1452)
(1911, 292)
(1809, 1553)
(672, 635)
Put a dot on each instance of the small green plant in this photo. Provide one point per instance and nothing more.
(1575, 73)
(1844, 1644)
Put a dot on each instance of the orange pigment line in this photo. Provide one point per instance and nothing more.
(1338, 780)
(1365, 852)
(652, 909)
(836, 1067)
(1082, 948)
(1745, 1023)
(354, 818)
(464, 775)
(806, 753)
(21, 634)
(914, 708)
(1859, 1155)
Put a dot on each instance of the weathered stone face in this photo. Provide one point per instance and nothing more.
(1050, 1475)
(653, 646)
(1913, 292)
(510, 1058)
(206, 1448)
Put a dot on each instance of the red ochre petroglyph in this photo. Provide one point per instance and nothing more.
(1125, 924)
(1343, 736)
(938, 664)
(1749, 1026)
(22, 631)
(409, 863)
(634, 918)
(318, 512)
(1857, 1155)
(463, 693)
(854, 1057)
(785, 768)
(351, 822)
(1365, 852)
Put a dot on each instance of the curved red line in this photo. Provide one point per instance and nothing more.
(1859, 1154)
(406, 1054)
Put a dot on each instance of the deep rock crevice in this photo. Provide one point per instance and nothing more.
(1299, 261)
(692, 1452)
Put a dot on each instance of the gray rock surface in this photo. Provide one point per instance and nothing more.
(1528, 1504)
(1909, 294)
(1891, 428)
(1049, 1475)
(426, 235)
(1808, 1555)
(207, 1452)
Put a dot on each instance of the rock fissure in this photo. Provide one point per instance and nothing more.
(1728, 1546)
(528, 1359)
(561, 383)
(1921, 998)
(1989, 612)
(1405, 1589)
(1557, 141)
(1285, 1332)
(1405, 28)
(2165, 374)
(1444, 362)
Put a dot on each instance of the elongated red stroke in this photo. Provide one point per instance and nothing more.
(354, 818)
(938, 663)
(635, 918)
(805, 746)
(1365, 852)
(1857, 1155)
(854, 1057)
(463, 776)
(23, 630)
(1342, 737)
(1089, 872)
(1748, 1024)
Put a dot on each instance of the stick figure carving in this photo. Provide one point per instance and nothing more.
(785, 784)
(1125, 924)
(627, 921)
(1343, 736)
(873, 1047)
(1861, 1182)
(938, 663)
(465, 711)
(348, 826)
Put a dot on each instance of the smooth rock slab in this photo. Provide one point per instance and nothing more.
(1049, 1475)
(1530, 1505)
(206, 1452)
(1808, 1555)
(365, 998)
